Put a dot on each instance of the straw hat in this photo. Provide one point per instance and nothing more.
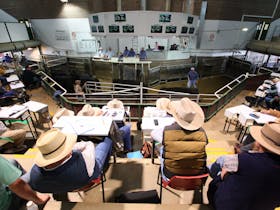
(53, 146)
(163, 104)
(187, 114)
(268, 136)
(115, 103)
(62, 112)
(88, 110)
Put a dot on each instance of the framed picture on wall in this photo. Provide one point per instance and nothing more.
(164, 17)
(156, 29)
(114, 29)
(184, 30)
(191, 30)
(101, 29)
(95, 18)
(120, 17)
(190, 20)
(170, 29)
(93, 29)
(128, 29)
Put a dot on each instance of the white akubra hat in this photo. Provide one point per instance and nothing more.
(62, 112)
(53, 146)
(115, 103)
(268, 136)
(88, 110)
(163, 104)
(187, 114)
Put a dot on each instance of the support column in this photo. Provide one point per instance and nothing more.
(167, 5)
(188, 6)
(119, 5)
(201, 23)
(143, 5)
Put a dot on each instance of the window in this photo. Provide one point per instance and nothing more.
(120, 17)
(156, 29)
(95, 18)
(93, 29)
(184, 30)
(190, 20)
(164, 18)
(170, 29)
(128, 29)
(114, 29)
(101, 29)
(191, 30)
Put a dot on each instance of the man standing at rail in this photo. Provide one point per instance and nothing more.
(192, 78)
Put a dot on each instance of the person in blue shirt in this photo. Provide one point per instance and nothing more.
(125, 52)
(192, 78)
(110, 53)
(7, 59)
(143, 54)
(131, 53)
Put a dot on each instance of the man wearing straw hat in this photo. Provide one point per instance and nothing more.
(249, 180)
(62, 165)
(184, 141)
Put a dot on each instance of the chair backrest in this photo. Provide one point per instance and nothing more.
(186, 182)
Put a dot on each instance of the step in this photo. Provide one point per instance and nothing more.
(56, 205)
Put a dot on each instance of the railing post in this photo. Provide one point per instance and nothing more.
(141, 93)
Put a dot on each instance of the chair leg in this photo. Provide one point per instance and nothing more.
(103, 178)
(160, 191)
(201, 194)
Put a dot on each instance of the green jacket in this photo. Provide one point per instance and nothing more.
(184, 151)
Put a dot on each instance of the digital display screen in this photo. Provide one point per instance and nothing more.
(101, 28)
(191, 30)
(156, 29)
(164, 18)
(184, 30)
(114, 29)
(120, 17)
(170, 29)
(95, 18)
(93, 29)
(190, 20)
(128, 29)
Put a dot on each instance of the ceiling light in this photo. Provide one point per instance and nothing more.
(64, 1)
(244, 29)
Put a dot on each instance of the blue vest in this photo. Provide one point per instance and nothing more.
(66, 178)
(255, 186)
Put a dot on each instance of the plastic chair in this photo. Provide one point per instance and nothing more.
(183, 183)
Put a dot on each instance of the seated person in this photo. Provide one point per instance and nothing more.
(183, 151)
(249, 180)
(123, 128)
(110, 53)
(14, 192)
(6, 93)
(125, 52)
(77, 87)
(30, 79)
(131, 53)
(62, 165)
(143, 54)
(15, 137)
(7, 58)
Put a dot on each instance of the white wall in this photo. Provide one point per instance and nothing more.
(4, 35)
(17, 31)
(5, 17)
(64, 34)
(221, 34)
(274, 29)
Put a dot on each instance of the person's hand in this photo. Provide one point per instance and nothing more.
(223, 173)
(42, 199)
(265, 111)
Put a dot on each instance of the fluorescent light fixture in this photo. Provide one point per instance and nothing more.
(64, 1)
(244, 29)
(29, 48)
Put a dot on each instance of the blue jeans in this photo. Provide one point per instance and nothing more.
(126, 137)
(102, 156)
(191, 83)
(162, 165)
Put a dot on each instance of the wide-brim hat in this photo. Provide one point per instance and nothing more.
(187, 114)
(88, 110)
(163, 104)
(268, 136)
(115, 103)
(53, 146)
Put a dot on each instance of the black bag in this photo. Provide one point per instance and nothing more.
(150, 196)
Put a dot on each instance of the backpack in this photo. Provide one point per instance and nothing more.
(146, 149)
